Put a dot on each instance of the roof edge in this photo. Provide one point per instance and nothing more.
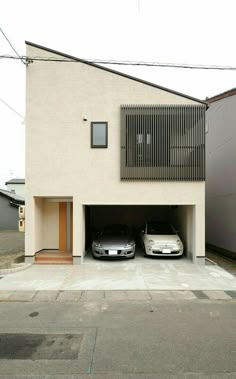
(116, 72)
(222, 95)
(19, 199)
(15, 181)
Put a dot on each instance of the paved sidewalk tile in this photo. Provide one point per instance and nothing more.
(138, 295)
(116, 295)
(217, 295)
(161, 295)
(46, 295)
(22, 295)
(69, 296)
(183, 295)
(92, 295)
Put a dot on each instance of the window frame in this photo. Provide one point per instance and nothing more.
(104, 146)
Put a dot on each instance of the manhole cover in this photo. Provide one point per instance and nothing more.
(40, 346)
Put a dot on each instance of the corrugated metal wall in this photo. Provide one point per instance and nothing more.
(163, 142)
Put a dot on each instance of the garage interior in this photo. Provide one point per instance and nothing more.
(135, 216)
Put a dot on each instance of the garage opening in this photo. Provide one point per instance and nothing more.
(135, 216)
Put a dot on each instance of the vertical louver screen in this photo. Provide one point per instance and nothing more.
(163, 142)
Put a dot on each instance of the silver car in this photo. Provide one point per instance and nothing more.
(115, 241)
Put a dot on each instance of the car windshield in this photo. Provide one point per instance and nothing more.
(116, 229)
(158, 228)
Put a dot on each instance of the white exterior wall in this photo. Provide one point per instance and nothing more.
(59, 160)
(220, 171)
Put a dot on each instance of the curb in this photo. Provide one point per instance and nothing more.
(15, 267)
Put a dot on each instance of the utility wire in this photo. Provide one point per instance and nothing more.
(12, 46)
(7, 105)
(121, 63)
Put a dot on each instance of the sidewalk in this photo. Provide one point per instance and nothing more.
(114, 296)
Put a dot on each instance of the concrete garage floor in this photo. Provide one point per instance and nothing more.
(138, 274)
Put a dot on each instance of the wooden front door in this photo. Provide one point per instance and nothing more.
(65, 226)
(62, 226)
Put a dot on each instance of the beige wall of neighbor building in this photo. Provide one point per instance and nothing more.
(60, 161)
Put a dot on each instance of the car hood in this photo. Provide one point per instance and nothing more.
(163, 238)
(116, 240)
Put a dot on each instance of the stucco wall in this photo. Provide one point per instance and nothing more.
(8, 215)
(59, 160)
(220, 171)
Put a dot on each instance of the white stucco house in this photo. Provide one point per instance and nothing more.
(221, 173)
(101, 147)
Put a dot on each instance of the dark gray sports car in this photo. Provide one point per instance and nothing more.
(114, 241)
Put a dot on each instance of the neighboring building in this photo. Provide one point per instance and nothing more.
(221, 173)
(102, 147)
(16, 186)
(9, 203)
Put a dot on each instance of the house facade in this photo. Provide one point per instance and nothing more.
(9, 204)
(104, 147)
(221, 178)
(16, 186)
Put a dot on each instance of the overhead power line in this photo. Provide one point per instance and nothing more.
(22, 60)
(28, 60)
(122, 63)
(8, 106)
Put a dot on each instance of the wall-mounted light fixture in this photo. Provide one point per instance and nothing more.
(85, 119)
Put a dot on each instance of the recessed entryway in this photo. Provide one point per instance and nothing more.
(54, 242)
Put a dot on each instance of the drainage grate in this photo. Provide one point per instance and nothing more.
(231, 294)
(200, 294)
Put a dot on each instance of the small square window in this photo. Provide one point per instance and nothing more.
(99, 136)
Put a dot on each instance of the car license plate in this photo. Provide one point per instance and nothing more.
(166, 251)
(113, 252)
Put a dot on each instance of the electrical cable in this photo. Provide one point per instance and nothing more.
(121, 63)
(12, 46)
(7, 105)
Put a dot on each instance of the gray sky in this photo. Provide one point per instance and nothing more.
(175, 31)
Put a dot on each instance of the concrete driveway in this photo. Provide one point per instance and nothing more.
(137, 274)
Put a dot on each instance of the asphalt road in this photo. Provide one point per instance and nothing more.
(112, 339)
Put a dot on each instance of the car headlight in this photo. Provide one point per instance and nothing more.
(179, 243)
(150, 242)
(97, 244)
(130, 244)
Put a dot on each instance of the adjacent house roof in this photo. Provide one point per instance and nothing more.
(222, 95)
(16, 181)
(114, 72)
(12, 196)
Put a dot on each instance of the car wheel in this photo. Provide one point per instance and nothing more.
(132, 257)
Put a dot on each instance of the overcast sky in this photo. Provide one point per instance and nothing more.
(174, 31)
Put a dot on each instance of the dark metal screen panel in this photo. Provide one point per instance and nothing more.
(163, 142)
